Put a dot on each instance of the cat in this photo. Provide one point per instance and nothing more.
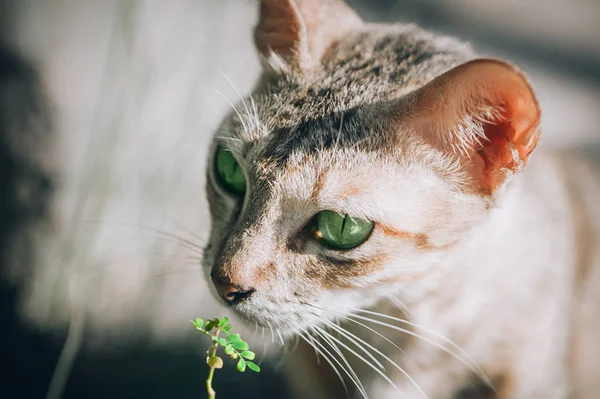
(377, 197)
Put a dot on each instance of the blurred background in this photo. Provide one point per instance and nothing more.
(136, 87)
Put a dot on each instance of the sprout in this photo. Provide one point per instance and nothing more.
(234, 347)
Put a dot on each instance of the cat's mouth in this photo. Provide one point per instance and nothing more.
(283, 318)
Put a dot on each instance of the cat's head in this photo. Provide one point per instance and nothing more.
(363, 156)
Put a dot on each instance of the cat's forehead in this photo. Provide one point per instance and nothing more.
(377, 64)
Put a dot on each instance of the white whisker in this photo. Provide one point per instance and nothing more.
(348, 369)
(242, 121)
(401, 305)
(272, 333)
(255, 330)
(238, 93)
(335, 369)
(365, 361)
(467, 362)
(352, 337)
(280, 337)
(342, 332)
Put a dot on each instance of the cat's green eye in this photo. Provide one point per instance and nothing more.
(229, 172)
(339, 231)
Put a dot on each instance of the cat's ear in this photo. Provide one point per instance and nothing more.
(486, 112)
(299, 32)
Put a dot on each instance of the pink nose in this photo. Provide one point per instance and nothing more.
(230, 292)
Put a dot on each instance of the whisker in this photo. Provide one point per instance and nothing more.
(333, 367)
(280, 337)
(255, 114)
(237, 140)
(362, 325)
(340, 332)
(466, 362)
(295, 346)
(365, 361)
(348, 370)
(264, 353)
(400, 305)
(238, 93)
(349, 336)
(235, 110)
(177, 239)
(272, 334)
(318, 358)
(427, 330)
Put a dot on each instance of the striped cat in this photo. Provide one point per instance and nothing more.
(376, 197)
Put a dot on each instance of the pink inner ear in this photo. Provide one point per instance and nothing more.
(513, 136)
(485, 110)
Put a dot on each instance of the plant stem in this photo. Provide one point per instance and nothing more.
(212, 352)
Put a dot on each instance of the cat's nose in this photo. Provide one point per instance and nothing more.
(232, 293)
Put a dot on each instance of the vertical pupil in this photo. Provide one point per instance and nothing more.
(343, 225)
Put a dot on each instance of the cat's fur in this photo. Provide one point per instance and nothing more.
(410, 130)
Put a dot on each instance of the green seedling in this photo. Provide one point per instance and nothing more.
(219, 332)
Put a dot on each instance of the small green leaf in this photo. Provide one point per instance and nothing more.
(223, 322)
(209, 325)
(215, 362)
(240, 345)
(222, 341)
(253, 367)
(199, 322)
(248, 355)
(234, 355)
(233, 338)
(229, 349)
(241, 365)
(227, 328)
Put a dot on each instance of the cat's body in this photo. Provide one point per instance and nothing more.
(500, 270)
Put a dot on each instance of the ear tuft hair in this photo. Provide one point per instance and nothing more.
(486, 112)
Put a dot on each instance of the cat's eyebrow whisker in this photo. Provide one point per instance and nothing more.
(242, 121)
(240, 96)
(333, 366)
(353, 352)
(237, 140)
(255, 114)
(457, 355)
(348, 370)
(350, 336)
